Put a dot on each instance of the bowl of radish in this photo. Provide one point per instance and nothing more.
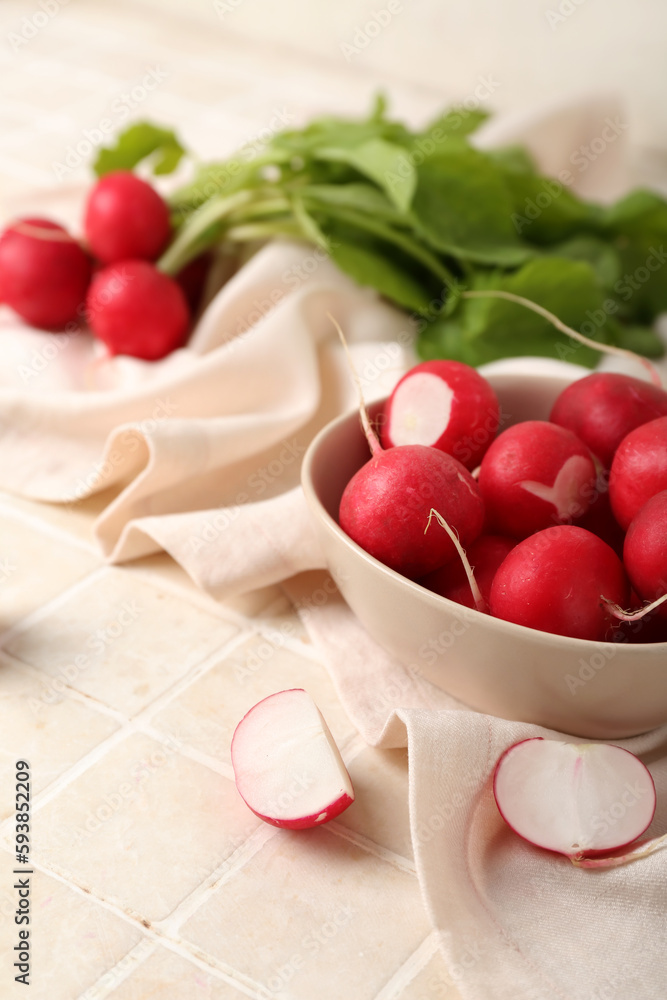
(552, 628)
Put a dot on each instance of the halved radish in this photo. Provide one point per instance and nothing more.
(445, 404)
(578, 799)
(287, 766)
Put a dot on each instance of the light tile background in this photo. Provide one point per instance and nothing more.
(152, 879)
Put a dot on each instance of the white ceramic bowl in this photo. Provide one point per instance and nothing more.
(598, 690)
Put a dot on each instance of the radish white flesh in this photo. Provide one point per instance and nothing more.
(420, 411)
(442, 404)
(287, 766)
(576, 799)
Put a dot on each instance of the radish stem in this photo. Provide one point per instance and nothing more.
(371, 436)
(480, 603)
(564, 328)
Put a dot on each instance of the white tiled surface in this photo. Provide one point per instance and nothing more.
(122, 685)
(152, 878)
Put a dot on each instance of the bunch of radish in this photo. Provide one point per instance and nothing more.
(109, 282)
(564, 521)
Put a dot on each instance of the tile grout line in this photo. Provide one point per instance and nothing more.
(410, 969)
(52, 531)
(126, 966)
(68, 777)
(199, 598)
(36, 616)
(80, 697)
(383, 853)
(251, 846)
(180, 946)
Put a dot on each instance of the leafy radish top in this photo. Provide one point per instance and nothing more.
(419, 214)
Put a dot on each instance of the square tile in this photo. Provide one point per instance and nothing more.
(311, 915)
(41, 725)
(433, 982)
(73, 939)
(74, 519)
(166, 976)
(380, 809)
(34, 568)
(121, 640)
(143, 827)
(205, 715)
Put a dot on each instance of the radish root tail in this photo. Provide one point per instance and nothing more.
(371, 436)
(564, 328)
(480, 603)
(641, 852)
(631, 616)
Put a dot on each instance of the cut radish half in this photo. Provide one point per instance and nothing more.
(577, 799)
(287, 766)
(443, 404)
(420, 411)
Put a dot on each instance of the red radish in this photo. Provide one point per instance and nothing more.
(137, 310)
(192, 279)
(485, 555)
(639, 470)
(600, 520)
(126, 218)
(44, 273)
(604, 407)
(287, 766)
(445, 404)
(576, 799)
(554, 581)
(534, 475)
(645, 551)
(385, 507)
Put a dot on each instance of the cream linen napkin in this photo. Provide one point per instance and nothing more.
(203, 452)
(513, 922)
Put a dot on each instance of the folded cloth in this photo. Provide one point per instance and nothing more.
(514, 922)
(203, 451)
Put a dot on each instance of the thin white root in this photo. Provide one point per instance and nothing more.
(371, 436)
(564, 328)
(480, 603)
(624, 859)
(475, 472)
(631, 616)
